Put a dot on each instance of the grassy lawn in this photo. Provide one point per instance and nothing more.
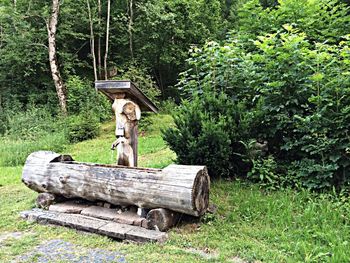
(250, 224)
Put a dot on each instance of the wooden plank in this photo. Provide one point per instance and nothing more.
(110, 87)
(140, 234)
(68, 207)
(100, 212)
(94, 225)
(129, 218)
(115, 230)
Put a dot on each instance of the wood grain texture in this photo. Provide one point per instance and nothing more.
(180, 188)
(95, 225)
(162, 219)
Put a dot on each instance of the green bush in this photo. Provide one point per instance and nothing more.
(83, 97)
(82, 127)
(138, 75)
(264, 171)
(322, 20)
(297, 93)
(167, 106)
(207, 131)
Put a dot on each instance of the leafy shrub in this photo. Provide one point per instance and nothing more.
(322, 20)
(82, 127)
(207, 131)
(82, 97)
(30, 124)
(264, 171)
(167, 106)
(142, 79)
(297, 95)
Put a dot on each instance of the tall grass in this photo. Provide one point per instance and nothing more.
(15, 152)
(36, 129)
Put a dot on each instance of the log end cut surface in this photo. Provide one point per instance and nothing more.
(200, 192)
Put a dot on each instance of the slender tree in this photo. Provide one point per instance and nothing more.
(99, 40)
(92, 40)
(107, 37)
(130, 28)
(56, 75)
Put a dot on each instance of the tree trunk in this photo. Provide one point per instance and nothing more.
(92, 40)
(180, 188)
(130, 24)
(107, 37)
(99, 40)
(56, 76)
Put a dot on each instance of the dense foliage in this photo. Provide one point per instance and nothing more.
(160, 33)
(208, 131)
(295, 89)
(148, 43)
(267, 81)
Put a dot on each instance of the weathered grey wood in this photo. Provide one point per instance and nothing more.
(72, 207)
(100, 212)
(179, 188)
(162, 219)
(111, 87)
(130, 219)
(127, 115)
(94, 225)
(68, 207)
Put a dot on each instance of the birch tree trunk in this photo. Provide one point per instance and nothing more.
(107, 37)
(99, 40)
(92, 40)
(131, 18)
(56, 76)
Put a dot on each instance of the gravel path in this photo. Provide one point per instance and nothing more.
(61, 251)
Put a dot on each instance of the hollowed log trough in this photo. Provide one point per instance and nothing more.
(180, 188)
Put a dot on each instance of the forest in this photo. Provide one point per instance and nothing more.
(264, 85)
(256, 90)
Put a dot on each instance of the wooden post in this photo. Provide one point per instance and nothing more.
(127, 115)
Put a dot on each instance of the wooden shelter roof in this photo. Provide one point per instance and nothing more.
(111, 87)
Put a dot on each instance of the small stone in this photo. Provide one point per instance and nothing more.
(44, 200)
(107, 205)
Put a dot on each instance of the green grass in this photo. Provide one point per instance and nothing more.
(252, 224)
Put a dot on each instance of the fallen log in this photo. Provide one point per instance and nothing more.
(180, 188)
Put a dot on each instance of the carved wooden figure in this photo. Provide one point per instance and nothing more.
(128, 101)
(127, 115)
